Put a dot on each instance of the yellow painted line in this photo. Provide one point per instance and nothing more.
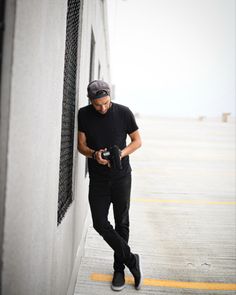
(169, 284)
(144, 200)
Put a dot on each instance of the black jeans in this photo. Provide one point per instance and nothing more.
(101, 194)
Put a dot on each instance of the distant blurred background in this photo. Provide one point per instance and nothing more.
(173, 58)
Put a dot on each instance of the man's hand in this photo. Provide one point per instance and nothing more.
(100, 160)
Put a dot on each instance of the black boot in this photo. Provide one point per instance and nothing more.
(118, 281)
(136, 271)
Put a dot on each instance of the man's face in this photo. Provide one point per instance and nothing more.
(102, 104)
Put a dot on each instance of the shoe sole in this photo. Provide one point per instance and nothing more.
(114, 288)
(141, 274)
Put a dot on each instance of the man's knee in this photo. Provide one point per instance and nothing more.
(122, 227)
(102, 227)
(122, 222)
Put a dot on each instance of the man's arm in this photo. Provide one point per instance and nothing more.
(134, 144)
(82, 145)
(87, 152)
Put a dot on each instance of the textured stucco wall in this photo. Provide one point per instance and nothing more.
(34, 147)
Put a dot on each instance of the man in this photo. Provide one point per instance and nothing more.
(101, 126)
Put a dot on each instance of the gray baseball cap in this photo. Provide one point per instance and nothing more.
(98, 89)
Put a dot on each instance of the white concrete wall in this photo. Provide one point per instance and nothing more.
(34, 147)
(39, 257)
(93, 17)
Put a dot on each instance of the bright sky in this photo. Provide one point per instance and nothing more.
(173, 57)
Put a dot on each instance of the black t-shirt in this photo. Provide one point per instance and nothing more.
(104, 131)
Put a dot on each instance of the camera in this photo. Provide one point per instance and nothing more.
(113, 155)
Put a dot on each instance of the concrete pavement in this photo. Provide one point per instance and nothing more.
(183, 213)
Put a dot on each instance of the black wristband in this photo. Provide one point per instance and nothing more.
(94, 155)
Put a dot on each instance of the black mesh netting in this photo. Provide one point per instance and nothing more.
(68, 109)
